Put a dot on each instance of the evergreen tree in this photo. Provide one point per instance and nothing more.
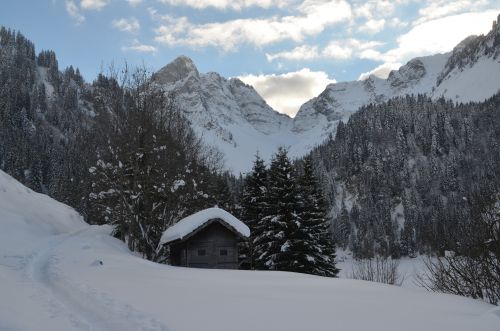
(254, 204)
(315, 235)
(277, 246)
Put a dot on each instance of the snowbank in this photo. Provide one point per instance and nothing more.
(22, 208)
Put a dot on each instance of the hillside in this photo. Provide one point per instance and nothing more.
(411, 175)
(66, 275)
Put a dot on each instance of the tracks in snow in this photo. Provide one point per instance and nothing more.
(86, 308)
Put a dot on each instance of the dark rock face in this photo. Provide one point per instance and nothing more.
(407, 74)
(177, 70)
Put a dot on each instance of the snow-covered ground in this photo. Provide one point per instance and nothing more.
(57, 273)
(409, 269)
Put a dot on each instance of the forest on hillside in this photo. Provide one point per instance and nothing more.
(411, 175)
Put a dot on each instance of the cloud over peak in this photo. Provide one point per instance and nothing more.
(287, 92)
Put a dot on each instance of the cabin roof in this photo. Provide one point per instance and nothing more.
(191, 224)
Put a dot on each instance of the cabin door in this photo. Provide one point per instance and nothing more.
(224, 255)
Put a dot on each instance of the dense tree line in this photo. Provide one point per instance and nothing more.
(41, 119)
(287, 218)
(409, 175)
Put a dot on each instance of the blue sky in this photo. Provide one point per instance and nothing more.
(287, 49)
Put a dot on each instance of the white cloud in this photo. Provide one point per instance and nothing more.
(382, 71)
(347, 48)
(304, 52)
(397, 23)
(440, 8)
(439, 36)
(337, 49)
(375, 8)
(73, 11)
(127, 25)
(373, 26)
(314, 17)
(134, 3)
(93, 4)
(287, 92)
(228, 4)
(138, 47)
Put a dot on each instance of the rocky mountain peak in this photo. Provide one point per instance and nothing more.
(471, 49)
(177, 70)
(407, 74)
(236, 82)
(464, 43)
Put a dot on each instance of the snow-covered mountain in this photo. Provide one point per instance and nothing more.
(227, 113)
(468, 73)
(233, 117)
(216, 101)
(339, 100)
(472, 72)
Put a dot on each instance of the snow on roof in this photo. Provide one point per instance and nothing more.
(189, 224)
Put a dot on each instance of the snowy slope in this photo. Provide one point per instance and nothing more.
(472, 71)
(233, 117)
(29, 222)
(57, 273)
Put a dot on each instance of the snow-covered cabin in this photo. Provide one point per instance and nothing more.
(207, 239)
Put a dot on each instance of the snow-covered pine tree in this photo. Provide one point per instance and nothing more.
(280, 226)
(315, 230)
(254, 204)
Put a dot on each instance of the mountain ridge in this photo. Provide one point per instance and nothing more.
(233, 117)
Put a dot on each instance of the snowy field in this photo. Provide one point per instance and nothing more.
(408, 269)
(51, 278)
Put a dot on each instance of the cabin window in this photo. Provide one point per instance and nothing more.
(223, 252)
(202, 252)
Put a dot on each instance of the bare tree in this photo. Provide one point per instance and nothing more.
(378, 269)
(151, 168)
(473, 273)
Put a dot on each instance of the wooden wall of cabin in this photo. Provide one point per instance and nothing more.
(215, 246)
